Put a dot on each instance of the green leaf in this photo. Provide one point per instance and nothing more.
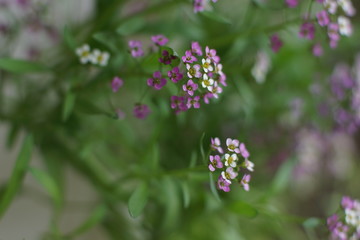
(131, 26)
(48, 182)
(95, 218)
(69, 38)
(186, 193)
(282, 177)
(311, 223)
(215, 17)
(151, 63)
(68, 105)
(21, 66)
(213, 187)
(202, 152)
(138, 200)
(17, 175)
(193, 160)
(243, 209)
(108, 39)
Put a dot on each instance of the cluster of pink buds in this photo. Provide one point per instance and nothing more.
(231, 162)
(346, 225)
(202, 5)
(203, 81)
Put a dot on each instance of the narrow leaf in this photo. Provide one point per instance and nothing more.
(203, 157)
(243, 208)
(17, 176)
(69, 38)
(186, 193)
(68, 105)
(215, 17)
(20, 66)
(138, 200)
(213, 187)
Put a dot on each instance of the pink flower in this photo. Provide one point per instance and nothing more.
(136, 48)
(307, 30)
(333, 31)
(141, 111)
(332, 222)
(317, 50)
(215, 89)
(196, 48)
(223, 184)
(291, 3)
(323, 18)
(178, 103)
(216, 145)
(275, 43)
(166, 58)
(116, 83)
(245, 182)
(190, 87)
(229, 174)
(243, 151)
(215, 162)
(199, 5)
(175, 74)
(347, 202)
(157, 82)
(188, 58)
(193, 102)
(211, 53)
(207, 97)
(233, 145)
(159, 40)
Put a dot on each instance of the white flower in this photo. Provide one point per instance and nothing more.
(351, 217)
(345, 27)
(206, 82)
(230, 160)
(229, 174)
(84, 53)
(218, 69)
(348, 7)
(261, 67)
(330, 6)
(100, 58)
(249, 165)
(206, 64)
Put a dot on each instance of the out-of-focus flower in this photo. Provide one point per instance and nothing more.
(245, 182)
(178, 103)
(120, 114)
(275, 42)
(141, 111)
(291, 3)
(84, 53)
(116, 83)
(136, 48)
(223, 184)
(157, 81)
(100, 58)
(345, 27)
(159, 40)
(167, 58)
(188, 58)
(331, 6)
(196, 48)
(261, 67)
(347, 7)
(323, 18)
(307, 30)
(216, 145)
(317, 50)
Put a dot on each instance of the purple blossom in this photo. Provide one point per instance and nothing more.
(199, 5)
(347, 202)
(175, 74)
(188, 58)
(215, 89)
(291, 3)
(178, 103)
(193, 102)
(190, 87)
(196, 48)
(307, 30)
(166, 57)
(211, 53)
(207, 96)
(245, 182)
(317, 50)
(332, 222)
(141, 111)
(333, 31)
(275, 43)
(116, 83)
(136, 48)
(157, 82)
(215, 162)
(323, 18)
(243, 151)
(223, 184)
(159, 40)
(216, 145)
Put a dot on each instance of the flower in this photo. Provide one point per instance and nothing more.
(215, 162)
(100, 58)
(157, 82)
(206, 64)
(317, 50)
(345, 27)
(307, 30)
(207, 97)
(216, 145)
(215, 89)
(223, 184)
(193, 71)
(347, 202)
(206, 82)
(261, 67)
(190, 87)
(351, 217)
(291, 3)
(230, 160)
(332, 222)
(193, 102)
(330, 6)
(275, 43)
(229, 174)
(199, 5)
(141, 111)
(249, 165)
(136, 48)
(211, 53)
(116, 83)
(245, 182)
(244, 152)
(120, 114)
(323, 18)
(175, 75)
(188, 58)
(232, 145)
(159, 40)
(333, 32)
(196, 48)
(347, 7)
(178, 103)
(166, 57)
(84, 53)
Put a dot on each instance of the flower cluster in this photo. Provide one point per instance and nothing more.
(95, 57)
(347, 224)
(204, 78)
(232, 163)
(202, 5)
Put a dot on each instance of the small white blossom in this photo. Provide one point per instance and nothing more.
(331, 6)
(100, 58)
(207, 82)
(351, 217)
(230, 160)
(249, 165)
(345, 27)
(347, 7)
(84, 53)
(206, 64)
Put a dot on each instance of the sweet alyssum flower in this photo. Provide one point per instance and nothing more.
(345, 27)
(100, 58)
(190, 87)
(116, 83)
(157, 81)
(84, 53)
(323, 18)
(307, 30)
(166, 58)
(233, 164)
(159, 40)
(141, 111)
(179, 103)
(346, 224)
(136, 48)
(175, 75)
(275, 42)
(193, 102)
(291, 3)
